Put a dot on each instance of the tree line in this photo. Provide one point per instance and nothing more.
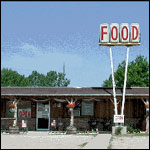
(12, 78)
(137, 75)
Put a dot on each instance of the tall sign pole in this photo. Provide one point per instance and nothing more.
(125, 81)
(113, 82)
(124, 38)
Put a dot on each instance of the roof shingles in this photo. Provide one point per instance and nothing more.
(47, 91)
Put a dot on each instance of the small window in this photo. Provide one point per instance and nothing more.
(87, 109)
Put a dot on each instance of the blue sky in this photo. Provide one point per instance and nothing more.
(43, 35)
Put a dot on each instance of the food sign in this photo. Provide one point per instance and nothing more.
(123, 37)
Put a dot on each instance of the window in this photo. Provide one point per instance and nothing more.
(87, 109)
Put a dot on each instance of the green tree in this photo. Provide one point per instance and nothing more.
(62, 81)
(37, 79)
(13, 78)
(55, 79)
(137, 75)
(52, 79)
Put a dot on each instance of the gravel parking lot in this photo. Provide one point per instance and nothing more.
(129, 142)
(41, 140)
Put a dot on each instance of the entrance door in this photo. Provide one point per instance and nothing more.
(42, 119)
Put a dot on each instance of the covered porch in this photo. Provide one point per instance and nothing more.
(93, 107)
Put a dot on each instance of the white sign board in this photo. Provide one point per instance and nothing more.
(118, 118)
(104, 36)
(124, 32)
(114, 33)
(125, 35)
(135, 33)
(23, 123)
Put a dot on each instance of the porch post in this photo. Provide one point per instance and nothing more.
(15, 102)
(71, 129)
(147, 114)
(72, 117)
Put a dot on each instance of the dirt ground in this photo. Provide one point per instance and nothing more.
(129, 142)
(42, 140)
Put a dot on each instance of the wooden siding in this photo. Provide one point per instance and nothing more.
(3, 109)
(33, 110)
(134, 108)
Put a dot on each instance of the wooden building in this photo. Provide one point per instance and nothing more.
(41, 105)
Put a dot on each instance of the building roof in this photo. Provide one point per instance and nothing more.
(72, 91)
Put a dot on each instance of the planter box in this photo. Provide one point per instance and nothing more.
(14, 130)
(71, 130)
(87, 133)
(123, 130)
(57, 133)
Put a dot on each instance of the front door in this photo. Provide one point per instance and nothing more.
(42, 119)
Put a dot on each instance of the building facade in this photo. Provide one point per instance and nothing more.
(39, 106)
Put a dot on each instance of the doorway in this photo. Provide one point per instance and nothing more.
(43, 116)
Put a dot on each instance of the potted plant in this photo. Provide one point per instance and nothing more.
(11, 107)
(71, 105)
(14, 129)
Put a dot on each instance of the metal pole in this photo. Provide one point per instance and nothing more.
(113, 82)
(125, 80)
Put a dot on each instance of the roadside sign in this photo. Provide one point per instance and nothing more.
(118, 118)
(112, 36)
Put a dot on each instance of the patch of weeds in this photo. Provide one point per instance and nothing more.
(110, 143)
(134, 134)
(82, 145)
(137, 130)
(130, 129)
(118, 130)
(141, 134)
(94, 135)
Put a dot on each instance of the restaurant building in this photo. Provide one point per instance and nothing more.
(41, 105)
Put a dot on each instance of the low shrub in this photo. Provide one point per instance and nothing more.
(132, 130)
(137, 130)
(118, 130)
